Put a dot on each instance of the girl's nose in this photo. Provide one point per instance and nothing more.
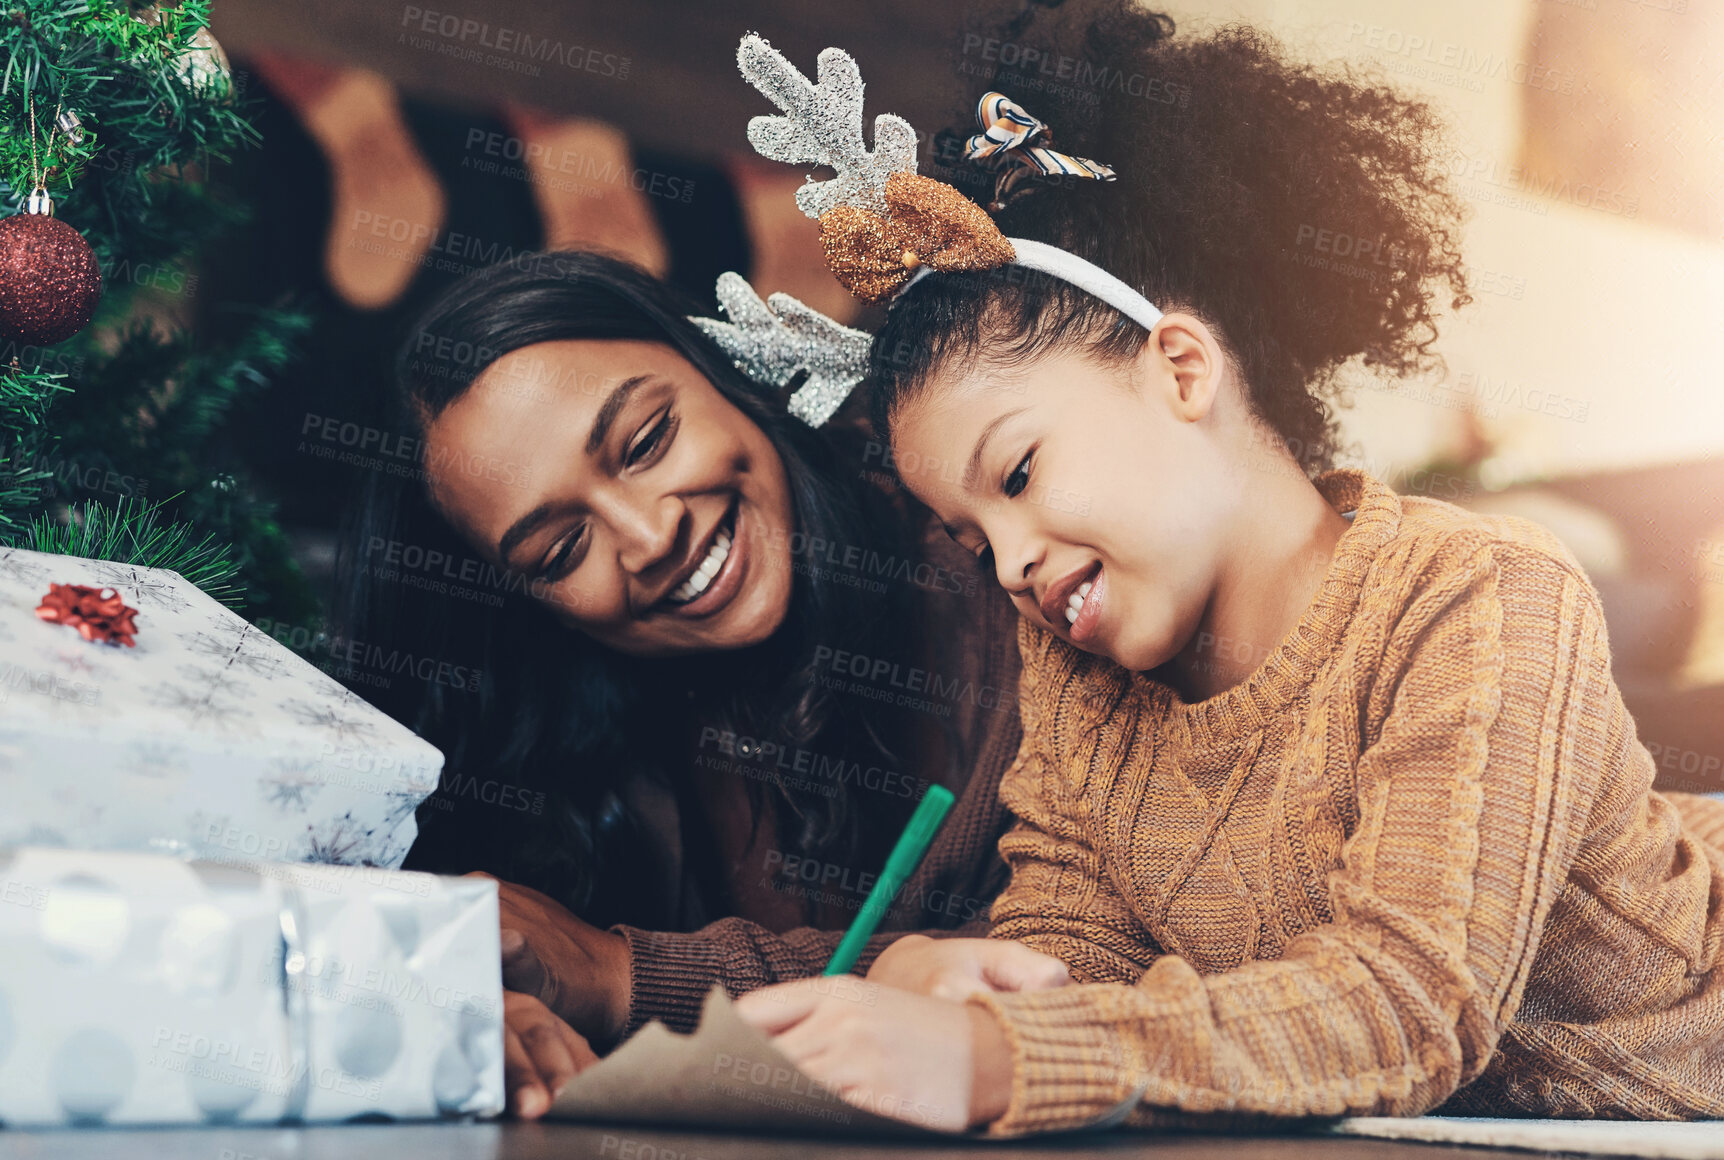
(1015, 562)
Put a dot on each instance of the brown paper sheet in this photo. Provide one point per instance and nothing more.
(725, 1075)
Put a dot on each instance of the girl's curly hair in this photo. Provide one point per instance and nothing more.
(1304, 213)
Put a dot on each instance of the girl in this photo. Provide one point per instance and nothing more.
(1328, 802)
(655, 773)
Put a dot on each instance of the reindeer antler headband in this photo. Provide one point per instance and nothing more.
(884, 227)
(770, 341)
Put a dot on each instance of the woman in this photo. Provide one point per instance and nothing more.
(718, 664)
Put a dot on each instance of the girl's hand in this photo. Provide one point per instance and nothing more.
(931, 1062)
(956, 968)
(541, 1053)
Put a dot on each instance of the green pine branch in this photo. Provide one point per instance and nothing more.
(134, 532)
(212, 382)
(25, 396)
(146, 415)
(146, 419)
(156, 400)
(134, 185)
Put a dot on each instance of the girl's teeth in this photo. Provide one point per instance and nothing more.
(1074, 603)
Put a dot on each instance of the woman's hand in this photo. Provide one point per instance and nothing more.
(541, 1053)
(956, 968)
(930, 1062)
(577, 970)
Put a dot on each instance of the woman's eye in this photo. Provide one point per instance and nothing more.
(653, 442)
(563, 558)
(1020, 476)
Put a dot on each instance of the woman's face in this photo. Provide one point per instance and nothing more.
(1093, 491)
(647, 510)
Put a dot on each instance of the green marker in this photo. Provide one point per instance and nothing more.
(906, 855)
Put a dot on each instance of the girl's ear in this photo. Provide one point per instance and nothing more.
(1184, 352)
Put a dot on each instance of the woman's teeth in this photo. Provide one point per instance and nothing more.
(696, 584)
(1074, 603)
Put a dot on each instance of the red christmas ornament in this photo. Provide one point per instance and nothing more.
(50, 280)
(97, 613)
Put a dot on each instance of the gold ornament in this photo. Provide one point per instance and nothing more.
(203, 64)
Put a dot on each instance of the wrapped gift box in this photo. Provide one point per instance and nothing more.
(142, 989)
(207, 738)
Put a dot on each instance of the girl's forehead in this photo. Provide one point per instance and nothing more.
(972, 395)
(932, 416)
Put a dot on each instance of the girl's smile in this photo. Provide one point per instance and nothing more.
(1097, 505)
(1083, 610)
(1123, 504)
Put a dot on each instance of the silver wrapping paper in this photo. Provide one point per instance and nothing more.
(142, 989)
(207, 739)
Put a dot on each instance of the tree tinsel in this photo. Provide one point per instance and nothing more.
(110, 442)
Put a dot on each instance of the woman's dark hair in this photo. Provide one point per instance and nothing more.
(1304, 213)
(540, 738)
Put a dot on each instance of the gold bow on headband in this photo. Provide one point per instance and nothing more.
(927, 223)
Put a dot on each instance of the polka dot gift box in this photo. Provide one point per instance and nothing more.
(137, 713)
(143, 989)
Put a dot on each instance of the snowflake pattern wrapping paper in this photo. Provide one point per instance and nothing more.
(142, 989)
(208, 739)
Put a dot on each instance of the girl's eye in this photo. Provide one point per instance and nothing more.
(653, 442)
(564, 558)
(1020, 476)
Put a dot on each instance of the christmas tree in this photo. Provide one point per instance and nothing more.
(110, 441)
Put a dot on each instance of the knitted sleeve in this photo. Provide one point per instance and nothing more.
(1060, 900)
(671, 972)
(1485, 727)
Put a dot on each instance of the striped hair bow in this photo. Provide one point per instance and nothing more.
(1020, 146)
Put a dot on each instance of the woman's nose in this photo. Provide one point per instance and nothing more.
(649, 533)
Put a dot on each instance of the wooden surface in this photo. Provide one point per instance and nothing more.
(513, 1141)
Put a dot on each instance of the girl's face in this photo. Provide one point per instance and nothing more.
(645, 509)
(1096, 493)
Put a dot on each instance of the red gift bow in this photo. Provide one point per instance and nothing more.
(97, 613)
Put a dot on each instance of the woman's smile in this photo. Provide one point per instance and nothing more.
(714, 573)
(658, 514)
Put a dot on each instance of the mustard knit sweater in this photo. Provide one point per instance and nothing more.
(1413, 860)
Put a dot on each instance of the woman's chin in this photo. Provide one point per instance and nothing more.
(755, 615)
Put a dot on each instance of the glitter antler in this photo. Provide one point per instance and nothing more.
(770, 341)
(822, 125)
